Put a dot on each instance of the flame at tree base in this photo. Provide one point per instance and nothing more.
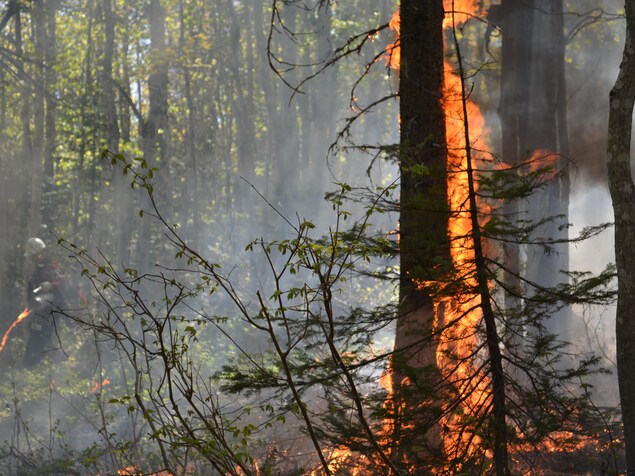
(457, 317)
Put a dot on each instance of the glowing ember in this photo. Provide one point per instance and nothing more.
(20, 318)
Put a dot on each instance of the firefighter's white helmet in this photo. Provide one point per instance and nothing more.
(33, 246)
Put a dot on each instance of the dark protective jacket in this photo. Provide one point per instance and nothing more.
(46, 295)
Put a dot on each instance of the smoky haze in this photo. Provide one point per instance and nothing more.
(186, 88)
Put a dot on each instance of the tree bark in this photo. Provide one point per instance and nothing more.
(533, 120)
(155, 128)
(37, 152)
(50, 104)
(190, 209)
(424, 247)
(622, 189)
(515, 20)
(120, 188)
(547, 131)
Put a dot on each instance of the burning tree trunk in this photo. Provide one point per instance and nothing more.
(622, 190)
(424, 247)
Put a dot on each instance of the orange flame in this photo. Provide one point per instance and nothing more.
(133, 471)
(544, 161)
(459, 340)
(96, 386)
(463, 11)
(459, 316)
(128, 471)
(20, 318)
(393, 50)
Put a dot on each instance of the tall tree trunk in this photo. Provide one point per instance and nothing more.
(50, 103)
(322, 99)
(87, 70)
(121, 188)
(516, 21)
(7, 224)
(547, 132)
(244, 115)
(155, 129)
(533, 120)
(125, 118)
(37, 155)
(25, 117)
(190, 210)
(268, 93)
(622, 191)
(27, 144)
(286, 132)
(424, 248)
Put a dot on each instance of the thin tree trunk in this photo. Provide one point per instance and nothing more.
(121, 187)
(492, 338)
(622, 189)
(37, 155)
(50, 103)
(244, 116)
(323, 99)
(155, 129)
(286, 131)
(190, 209)
(87, 68)
(25, 116)
(6, 224)
(125, 120)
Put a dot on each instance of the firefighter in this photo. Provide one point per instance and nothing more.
(45, 297)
